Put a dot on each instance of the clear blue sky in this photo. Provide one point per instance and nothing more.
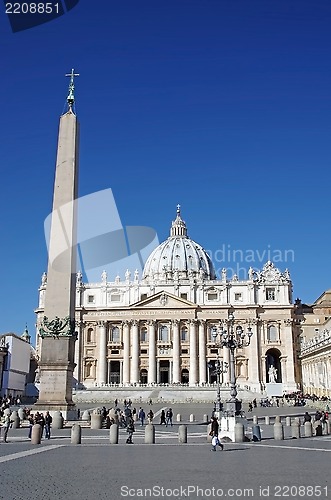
(221, 106)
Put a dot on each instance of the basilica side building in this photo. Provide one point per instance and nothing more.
(159, 328)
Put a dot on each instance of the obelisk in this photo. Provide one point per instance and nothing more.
(57, 330)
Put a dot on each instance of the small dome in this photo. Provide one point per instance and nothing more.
(179, 257)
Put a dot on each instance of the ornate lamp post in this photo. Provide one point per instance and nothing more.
(219, 368)
(232, 338)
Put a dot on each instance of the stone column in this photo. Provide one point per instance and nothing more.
(176, 352)
(202, 352)
(252, 353)
(102, 359)
(264, 373)
(157, 371)
(152, 353)
(287, 337)
(193, 353)
(126, 352)
(284, 368)
(121, 371)
(135, 352)
(78, 370)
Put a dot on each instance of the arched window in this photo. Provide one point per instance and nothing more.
(163, 333)
(115, 334)
(272, 333)
(89, 335)
(184, 334)
(143, 334)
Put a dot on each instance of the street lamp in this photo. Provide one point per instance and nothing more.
(232, 338)
(219, 368)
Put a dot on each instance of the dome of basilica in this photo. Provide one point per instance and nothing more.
(179, 257)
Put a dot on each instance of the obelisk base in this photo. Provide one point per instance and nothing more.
(56, 376)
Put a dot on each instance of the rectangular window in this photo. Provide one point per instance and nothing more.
(183, 296)
(143, 296)
(270, 294)
(143, 351)
(115, 351)
(90, 299)
(212, 296)
(184, 351)
(115, 298)
(238, 297)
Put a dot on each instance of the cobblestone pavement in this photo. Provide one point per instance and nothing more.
(56, 469)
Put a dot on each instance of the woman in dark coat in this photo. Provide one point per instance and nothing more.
(162, 420)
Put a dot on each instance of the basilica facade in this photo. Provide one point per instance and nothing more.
(162, 327)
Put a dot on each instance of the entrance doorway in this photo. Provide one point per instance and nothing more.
(164, 372)
(143, 376)
(114, 372)
(185, 376)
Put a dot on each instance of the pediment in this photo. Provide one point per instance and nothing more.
(164, 300)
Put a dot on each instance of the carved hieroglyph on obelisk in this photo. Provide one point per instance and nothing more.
(57, 330)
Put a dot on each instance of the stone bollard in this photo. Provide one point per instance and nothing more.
(205, 419)
(192, 418)
(308, 429)
(76, 434)
(256, 433)
(295, 428)
(96, 421)
(149, 434)
(21, 414)
(57, 422)
(278, 431)
(277, 419)
(255, 419)
(36, 434)
(15, 420)
(288, 421)
(86, 417)
(328, 426)
(267, 420)
(179, 417)
(182, 434)
(113, 434)
(209, 437)
(239, 433)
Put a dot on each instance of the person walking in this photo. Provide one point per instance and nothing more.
(141, 416)
(162, 418)
(5, 425)
(169, 416)
(31, 423)
(150, 416)
(214, 426)
(48, 422)
(130, 429)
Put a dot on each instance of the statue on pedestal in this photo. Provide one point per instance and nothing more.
(272, 373)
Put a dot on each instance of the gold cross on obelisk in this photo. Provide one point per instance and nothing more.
(71, 95)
